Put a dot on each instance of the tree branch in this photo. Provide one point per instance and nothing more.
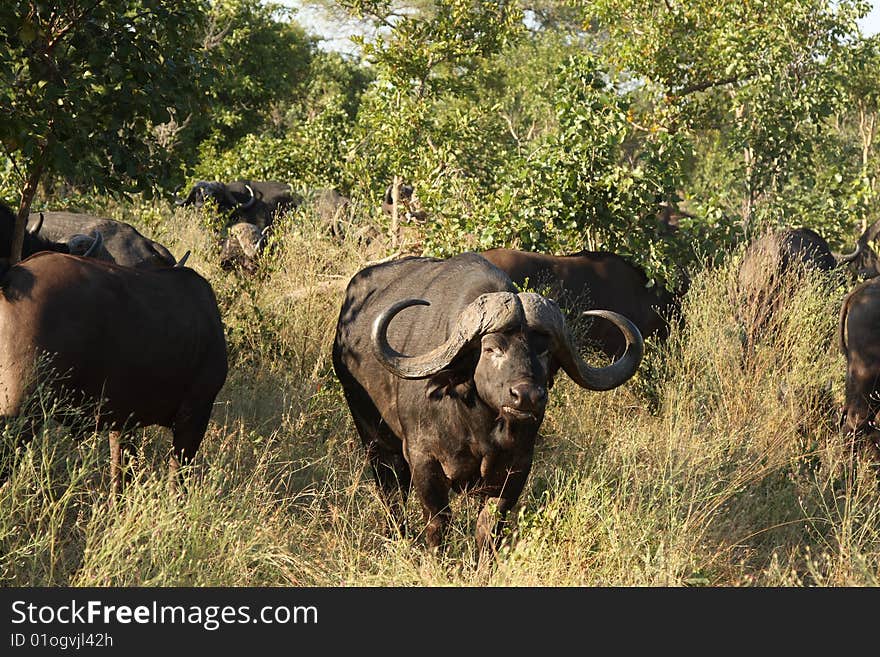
(709, 84)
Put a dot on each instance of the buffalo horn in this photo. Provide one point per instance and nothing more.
(849, 257)
(182, 261)
(264, 234)
(97, 241)
(189, 197)
(488, 313)
(869, 235)
(545, 314)
(251, 200)
(36, 229)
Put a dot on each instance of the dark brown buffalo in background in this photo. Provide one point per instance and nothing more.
(122, 243)
(252, 201)
(242, 247)
(859, 339)
(148, 343)
(773, 264)
(449, 395)
(34, 242)
(593, 279)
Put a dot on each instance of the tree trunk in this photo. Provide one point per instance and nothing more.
(24, 206)
(395, 196)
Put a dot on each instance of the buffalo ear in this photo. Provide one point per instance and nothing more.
(445, 383)
(457, 380)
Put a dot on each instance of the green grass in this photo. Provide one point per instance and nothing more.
(705, 469)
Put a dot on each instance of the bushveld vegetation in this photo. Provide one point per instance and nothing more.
(704, 469)
(559, 132)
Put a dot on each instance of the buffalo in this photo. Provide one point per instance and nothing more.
(462, 411)
(122, 243)
(242, 247)
(859, 341)
(145, 346)
(331, 208)
(255, 202)
(594, 279)
(787, 254)
(34, 242)
(406, 200)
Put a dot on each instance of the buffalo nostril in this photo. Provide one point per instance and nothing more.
(528, 396)
(516, 396)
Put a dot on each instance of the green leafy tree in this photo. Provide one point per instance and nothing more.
(754, 79)
(594, 182)
(82, 83)
(261, 61)
(311, 148)
(429, 72)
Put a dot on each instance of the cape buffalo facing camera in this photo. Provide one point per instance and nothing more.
(462, 410)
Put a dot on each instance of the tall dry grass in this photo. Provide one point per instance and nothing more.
(707, 468)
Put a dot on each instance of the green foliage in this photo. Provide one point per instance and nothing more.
(311, 149)
(261, 61)
(595, 182)
(753, 79)
(81, 85)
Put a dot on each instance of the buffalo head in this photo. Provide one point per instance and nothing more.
(863, 262)
(83, 245)
(242, 247)
(518, 342)
(406, 199)
(204, 190)
(254, 201)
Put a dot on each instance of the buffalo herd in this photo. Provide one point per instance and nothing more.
(445, 364)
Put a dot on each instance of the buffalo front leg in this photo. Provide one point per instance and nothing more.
(189, 429)
(493, 515)
(432, 487)
(120, 462)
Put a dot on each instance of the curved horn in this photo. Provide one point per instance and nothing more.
(488, 313)
(182, 261)
(870, 233)
(189, 197)
(96, 244)
(849, 257)
(253, 199)
(36, 229)
(264, 234)
(544, 313)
